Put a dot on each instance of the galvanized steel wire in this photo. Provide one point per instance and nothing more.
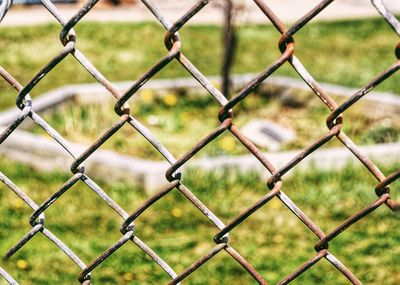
(275, 183)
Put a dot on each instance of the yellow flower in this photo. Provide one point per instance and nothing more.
(275, 203)
(22, 264)
(170, 99)
(147, 96)
(177, 213)
(227, 143)
(17, 203)
(127, 276)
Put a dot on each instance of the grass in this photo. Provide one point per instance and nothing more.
(180, 118)
(272, 239)
(123, 51)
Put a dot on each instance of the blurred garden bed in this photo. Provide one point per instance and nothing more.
(180, 117)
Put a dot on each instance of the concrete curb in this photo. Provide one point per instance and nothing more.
(45, 154)
(94, 92)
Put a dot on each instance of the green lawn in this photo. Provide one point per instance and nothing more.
(347, 52)
(273, 240)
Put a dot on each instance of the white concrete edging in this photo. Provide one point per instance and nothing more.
(45, 154)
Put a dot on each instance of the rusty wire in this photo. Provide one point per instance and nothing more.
(172, 42)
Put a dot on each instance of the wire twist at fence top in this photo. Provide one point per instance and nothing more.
(124, 116)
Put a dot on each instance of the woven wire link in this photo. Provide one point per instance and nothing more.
(275, 184)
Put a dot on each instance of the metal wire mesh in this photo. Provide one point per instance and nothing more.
(173, 44)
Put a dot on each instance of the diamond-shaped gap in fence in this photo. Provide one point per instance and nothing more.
(90, 211)
(176, 212)
(196, 43)
(134, 48)
(329, 198)
(271, 233)
(226, 192)
(30, 264)
(332, 52)
(24, 59)
(69, 217)
(24, 262)
(177, 116)
(179, 233)
(380, 250)
(250, 58)
(274, 119)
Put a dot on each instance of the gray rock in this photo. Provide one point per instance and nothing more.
(267, 134)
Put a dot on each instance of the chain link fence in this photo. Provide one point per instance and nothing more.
(334, 121)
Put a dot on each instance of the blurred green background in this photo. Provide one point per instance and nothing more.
(273, 240)
(350, 53)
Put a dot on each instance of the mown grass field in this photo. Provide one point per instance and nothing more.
(347, 52)
(273, 240)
